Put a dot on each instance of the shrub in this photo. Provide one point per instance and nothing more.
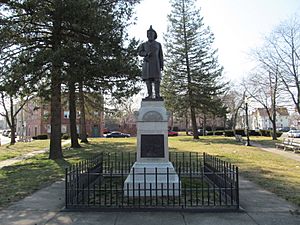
(65, 136)
(219, 132)
(209, 133)
(268, 133)
(228, 133)
(175, 129)
(42, 137)
(254, 133)
(265, 133)
(240, 132)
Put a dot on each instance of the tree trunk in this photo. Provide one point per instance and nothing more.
(12, 124)
(235, 116)
(55, 138)
(194, 123)
(274, 135)
(171, 121)
(186, 125)
(213, 125)
(83, 134)
(274, 105)
(192, 108)
(204, 124)
(72, 109)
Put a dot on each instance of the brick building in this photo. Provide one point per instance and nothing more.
(34, 120)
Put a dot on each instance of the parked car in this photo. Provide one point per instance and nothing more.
(202, 132)
(6, 133)
(284, 129)
(116, 134)
(172, 133)
(9, 134)
(294, 133)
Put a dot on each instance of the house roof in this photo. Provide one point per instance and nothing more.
(282, 111)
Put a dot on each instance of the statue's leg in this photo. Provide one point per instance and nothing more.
(157, 88)
(149, 88)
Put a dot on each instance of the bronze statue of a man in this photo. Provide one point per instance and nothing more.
(153, 63)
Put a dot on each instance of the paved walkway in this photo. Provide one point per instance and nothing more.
(44, 208)
(287, 154)
(14, 160)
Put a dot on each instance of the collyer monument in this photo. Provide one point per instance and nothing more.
(152, 174)
(153, 63)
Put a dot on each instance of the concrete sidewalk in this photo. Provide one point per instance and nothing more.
(44, 207)
(9, 162)
(287, 154)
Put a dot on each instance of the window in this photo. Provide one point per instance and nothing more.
(64, 129)
(66, 114)
(48, 128)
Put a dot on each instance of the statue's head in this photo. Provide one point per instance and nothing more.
(151, 34)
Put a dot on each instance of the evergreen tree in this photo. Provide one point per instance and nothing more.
(44, 29)
(192, 72)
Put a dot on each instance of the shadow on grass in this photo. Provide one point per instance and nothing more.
(266, 143)
(93, 149)
(62, 163)
(208, 140)
(22, 179)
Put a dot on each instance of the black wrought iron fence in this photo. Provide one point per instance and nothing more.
(223, 176)
(204, 183)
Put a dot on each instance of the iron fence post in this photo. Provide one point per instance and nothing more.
(237, 188)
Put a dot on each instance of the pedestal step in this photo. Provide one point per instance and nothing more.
(152, 179)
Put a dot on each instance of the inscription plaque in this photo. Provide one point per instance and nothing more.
(152, 116)
(152, 146)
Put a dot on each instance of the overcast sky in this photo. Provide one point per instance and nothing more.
(238, 25)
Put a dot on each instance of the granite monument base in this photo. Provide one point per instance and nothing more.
(152, 174)
(152, 178)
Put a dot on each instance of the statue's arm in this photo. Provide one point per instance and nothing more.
(161, 57)
(141, 51)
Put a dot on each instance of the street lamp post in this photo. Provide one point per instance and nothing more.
(247, 122)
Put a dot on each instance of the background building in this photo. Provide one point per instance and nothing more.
(34, 119)
(259, 119)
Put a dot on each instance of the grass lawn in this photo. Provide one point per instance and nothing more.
(10, 151)
(273, 172)
(266, 141)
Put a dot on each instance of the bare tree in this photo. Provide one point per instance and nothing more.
(284, 47)
(122, 111)
(234, 100)
(264, 87)
(11, 111)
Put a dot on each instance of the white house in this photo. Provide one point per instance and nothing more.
(260, 119)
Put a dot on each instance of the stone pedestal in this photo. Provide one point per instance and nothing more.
(152, 174)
